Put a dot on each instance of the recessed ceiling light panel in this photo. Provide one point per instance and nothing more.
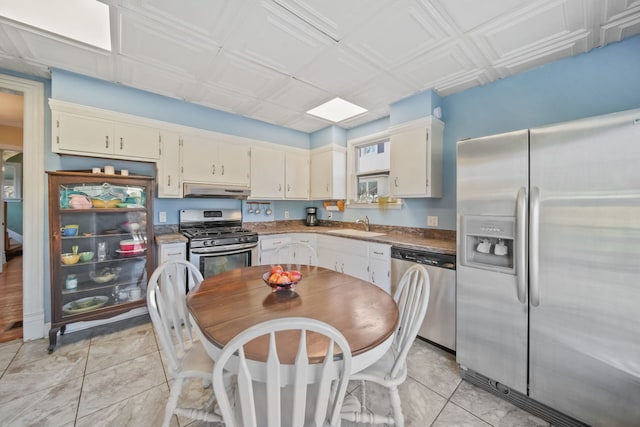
(337, 110)
(83, 20)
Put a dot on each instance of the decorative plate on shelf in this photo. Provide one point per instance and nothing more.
(83, 305)
(131, 253)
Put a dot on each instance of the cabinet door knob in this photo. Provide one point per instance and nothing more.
(279, 188)
(222, 168)
(169, 180)
(121, 144)
(395, 181)
(106, 143)
(213, 169)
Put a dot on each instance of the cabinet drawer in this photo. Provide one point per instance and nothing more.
(269, 244)
(379, 251)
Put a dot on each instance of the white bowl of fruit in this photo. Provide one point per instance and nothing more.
(280, 279)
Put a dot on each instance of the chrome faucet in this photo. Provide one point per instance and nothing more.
(364, 222)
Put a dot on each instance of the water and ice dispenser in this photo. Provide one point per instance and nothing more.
(489, 242)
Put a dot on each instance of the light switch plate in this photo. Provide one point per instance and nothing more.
(432, 221)
(162, 216)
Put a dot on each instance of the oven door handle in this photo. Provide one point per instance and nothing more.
(230, 252)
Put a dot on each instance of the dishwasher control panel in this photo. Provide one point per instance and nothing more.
(424, 257)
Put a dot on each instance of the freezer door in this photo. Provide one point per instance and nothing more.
(585, 268)
(491, 320)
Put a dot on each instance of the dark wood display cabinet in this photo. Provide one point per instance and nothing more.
(101, 250)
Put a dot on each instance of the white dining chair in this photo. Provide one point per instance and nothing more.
(166, 301)
(412, 298)
(295, 254)
(299, 394)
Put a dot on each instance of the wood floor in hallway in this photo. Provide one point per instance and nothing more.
(11, 300)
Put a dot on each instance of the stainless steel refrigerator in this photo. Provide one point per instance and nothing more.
(548, 279)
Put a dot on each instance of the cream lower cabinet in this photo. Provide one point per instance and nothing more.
(172, 252)
(268, 247)
(344, 255)
(364, 260)
(416, 159)
(380, 265)
(295, 256)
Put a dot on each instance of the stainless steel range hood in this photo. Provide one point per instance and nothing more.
(215, 191)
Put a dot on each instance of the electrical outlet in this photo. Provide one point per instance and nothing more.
(432, 221)
(329, 215)
(286, 214)
(162, 216)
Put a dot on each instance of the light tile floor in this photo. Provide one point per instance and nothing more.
(114, 375)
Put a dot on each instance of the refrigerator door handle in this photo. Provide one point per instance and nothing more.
(521, 249)
(534, 234)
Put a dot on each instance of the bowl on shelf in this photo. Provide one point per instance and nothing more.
(86, 256)
(131, 245)
(69, 258)
(99, 203)
(70, 230)
(105, 275)
(79, 201)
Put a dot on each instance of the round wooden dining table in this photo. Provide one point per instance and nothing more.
(226, 304)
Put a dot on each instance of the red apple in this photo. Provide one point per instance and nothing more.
(295, 275)
(283, 280)
(277, 269)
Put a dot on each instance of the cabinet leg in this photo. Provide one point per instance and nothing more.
(53, 337)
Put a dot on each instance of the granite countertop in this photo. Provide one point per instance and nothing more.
(171, 237)
(439, 241)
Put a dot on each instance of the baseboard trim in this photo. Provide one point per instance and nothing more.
(554, 417)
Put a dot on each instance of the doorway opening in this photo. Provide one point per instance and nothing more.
(11, 218)
(32, 190)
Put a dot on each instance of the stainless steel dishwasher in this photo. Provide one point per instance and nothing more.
(439, 325)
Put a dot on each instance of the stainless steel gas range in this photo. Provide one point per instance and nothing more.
(217, 241)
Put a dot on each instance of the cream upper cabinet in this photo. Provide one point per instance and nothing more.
(267, 173)
(416, 159)
(137, 141)
(206, 160)
(168, 176)
(328, 173)
(199, 158)
(94, 136)
(296, 175)
(234, 161)
(81, 134)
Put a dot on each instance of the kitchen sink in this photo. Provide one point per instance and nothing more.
(356, 233)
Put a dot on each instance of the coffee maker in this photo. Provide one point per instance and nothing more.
(312, 219)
